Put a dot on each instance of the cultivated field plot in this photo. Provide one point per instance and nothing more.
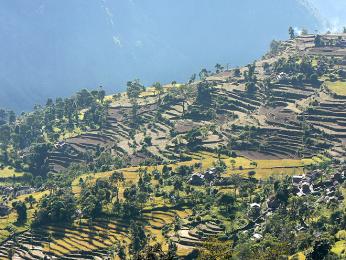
(9, 172)
(337, 87)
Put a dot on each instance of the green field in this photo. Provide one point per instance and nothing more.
(9, 172)
(337, 87)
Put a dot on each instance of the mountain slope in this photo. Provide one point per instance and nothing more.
(288, 115)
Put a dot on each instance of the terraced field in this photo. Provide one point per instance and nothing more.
(86, 240)
(275, 132)
(9, 173)
(339, 88)
(281, 124)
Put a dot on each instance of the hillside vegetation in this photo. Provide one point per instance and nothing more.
(245, 163)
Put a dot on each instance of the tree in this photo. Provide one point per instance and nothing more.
(134, 89)
(250, 87)
(218, 68)
(181, 93)
(101, 94)
(204, 90)
(147, 140)
(203, 74)
(154, 252)
(237, 72)
(58, 207)
(251, 174)
(235, 179)
(266, 67)
(5, 136)
(158, 89)
(291, 32)
(215, 249)
(138, 237)
(227, 201)
(3, 116)
(31, 200)
(21, 210)
(121, 252)
(192, 78)
(115, 179)
(84, 98)
(275, 47)
(38, 159)
(318, 41)
(320, 250)
(178, 184)
(194, 138)
(94, 196)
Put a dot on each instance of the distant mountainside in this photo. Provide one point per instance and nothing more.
(262, 138)
(288, 105)
(53, 48)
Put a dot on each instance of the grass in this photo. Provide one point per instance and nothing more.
(11, 220)
(103, 234)
(337, 87)
(341, 234)
(269, 168)
(264, 168)
(12, 217)
(37, 196)
(9, 173)
(155, 220)
(339, 248)
(299, 256)
(69, 134)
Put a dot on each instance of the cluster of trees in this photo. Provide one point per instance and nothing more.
(94, 196)
(101, 198)
(250, 78)
(21, 210)
(35, 130)
(203, 108)
(7, 117)
(298, 70)
(281, 236)
(58, 207)
(321, 41)
(180, 94)
(134, 89)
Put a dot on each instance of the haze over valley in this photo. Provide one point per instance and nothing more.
(54, 48)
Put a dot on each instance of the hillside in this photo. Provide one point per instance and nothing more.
(245, 163)
(280, 120)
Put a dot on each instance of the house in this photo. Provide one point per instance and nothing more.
(5, 190)
(23, 190)
(257, 237)
(211, 174)
(296, 179)
(255, 205)
(59, 145)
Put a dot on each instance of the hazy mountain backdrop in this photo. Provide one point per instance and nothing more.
(53, 48)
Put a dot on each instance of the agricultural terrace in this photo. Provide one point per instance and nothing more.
(263, 168)
(9, 172)
(338, 87)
